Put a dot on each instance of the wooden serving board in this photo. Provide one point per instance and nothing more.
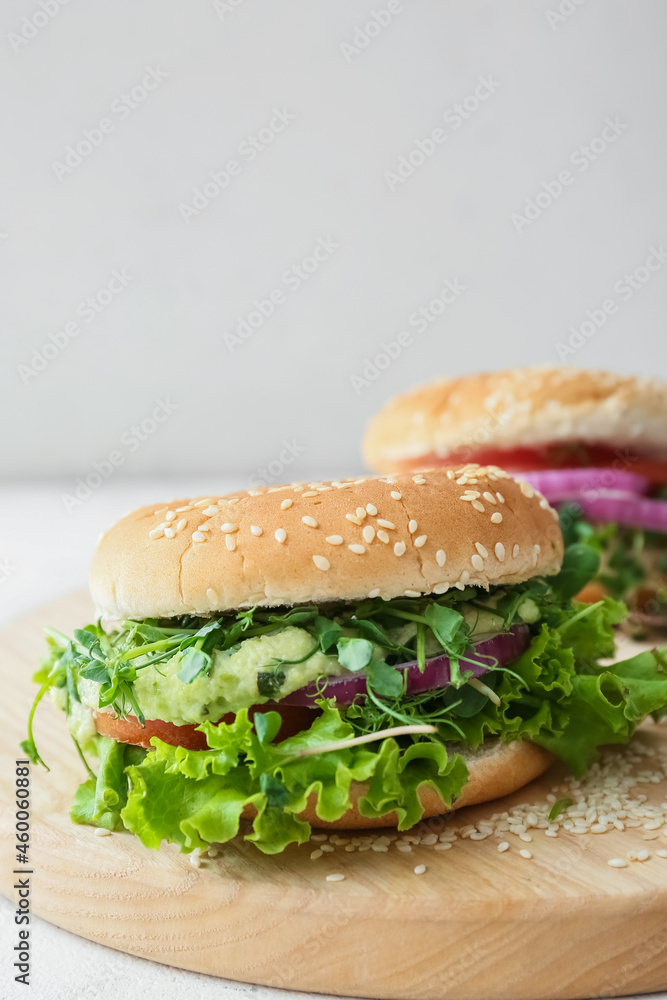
(477, 925)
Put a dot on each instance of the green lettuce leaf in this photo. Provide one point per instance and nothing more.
(98, 802)
(197, 797)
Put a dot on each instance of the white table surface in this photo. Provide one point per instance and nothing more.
(37, 566)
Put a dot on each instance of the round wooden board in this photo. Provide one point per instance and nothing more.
(478, 925)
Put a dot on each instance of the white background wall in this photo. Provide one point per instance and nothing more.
(323, 177)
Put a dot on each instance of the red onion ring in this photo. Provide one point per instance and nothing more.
(502, 648)
(634, 512)
(583, 484)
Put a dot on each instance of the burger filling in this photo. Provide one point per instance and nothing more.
(198, 721)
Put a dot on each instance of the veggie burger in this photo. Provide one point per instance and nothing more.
(594, 443)
(352, 654)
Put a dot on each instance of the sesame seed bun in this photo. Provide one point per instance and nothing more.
(388, 536)
(522, 407)
(496, 769)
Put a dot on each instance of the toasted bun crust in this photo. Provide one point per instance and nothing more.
(522, 407)
(326, 541)
(496, 769)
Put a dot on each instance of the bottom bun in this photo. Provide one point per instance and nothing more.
(496, 769)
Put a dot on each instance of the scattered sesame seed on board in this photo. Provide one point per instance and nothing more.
(617, 863)
(337, 877)
(419, 869)
(101, 832)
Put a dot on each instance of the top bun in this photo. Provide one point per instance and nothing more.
(522, 407)
(390, 536)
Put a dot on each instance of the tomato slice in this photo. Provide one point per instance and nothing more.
(565, 455)
(130, 730)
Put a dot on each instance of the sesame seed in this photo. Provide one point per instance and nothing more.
(310, 493)
(181, 509)
(478, 506)
(418, 480)
(368, 533)
(445, 846)
(399, 548)
(482, 550)
(202, 527)
(526, 489)
(280, 535)
(256, 530)
(171, 515)
(421, 540)
(412, 527)
(321, 562)
(440, 557)
(661, 853)
(386, 524)
(395, 495)
(371, 509)
(503, 846)
(412, 593)
(501, 498)
(383, 536)
(228, 526)
(314, 855)
(642, 855)
(334, 539)
(198, 536)
(477, 562)
(210, 511)
(156, 533)
(441, 588)
(490, 497)
(361, 513)
(525, 853)
(233, 500)
(169, 532)
(496, 518)
(336, 878)
(195, 860)
(375, 592)
(617, 863)
(357, 549)
(101, 832)
(181, 524)
(310, 521)
(419, 869)
(202, 503)
(286, 503)
(230, 542)
(515, 552)
(499, 549)
(211, 594)
(353, 518)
